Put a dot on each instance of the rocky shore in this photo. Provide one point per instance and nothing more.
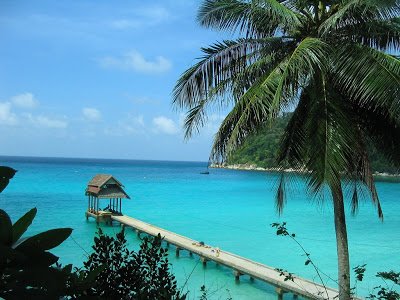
(253, 167)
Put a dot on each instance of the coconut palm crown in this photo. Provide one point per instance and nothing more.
(332, 62)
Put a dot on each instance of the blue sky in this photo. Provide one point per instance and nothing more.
(95, 78)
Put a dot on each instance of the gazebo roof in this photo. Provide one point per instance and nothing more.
(100, 179)
(106, 186)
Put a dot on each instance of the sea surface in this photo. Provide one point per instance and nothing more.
(230, 209)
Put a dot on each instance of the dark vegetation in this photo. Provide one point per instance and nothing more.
(261, 149)
(128, 274)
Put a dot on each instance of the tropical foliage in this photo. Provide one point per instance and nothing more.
(127, 274)
(332, 62)
(260, 149)
(27, 268)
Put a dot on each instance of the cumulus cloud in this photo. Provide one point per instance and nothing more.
(7, 117)
(91, 114)
(46, 122)
(165, 125)
(135, 61)
(25, 100)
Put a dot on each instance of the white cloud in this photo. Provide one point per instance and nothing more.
(129, 126)
(7, 117)
(25, 100)
(138, 120)
(134, 61)
(46, 122)
(165, 125)
(91, 114)
(142, 17)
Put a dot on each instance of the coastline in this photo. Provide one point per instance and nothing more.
(253, 167)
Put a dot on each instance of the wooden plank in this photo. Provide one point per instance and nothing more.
(299, 286)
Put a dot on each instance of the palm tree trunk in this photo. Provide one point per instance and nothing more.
(341, 243)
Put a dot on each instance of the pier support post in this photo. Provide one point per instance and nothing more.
(251, 279)
(204, 261)
(138, 232)
(191, 253)
(237, 275)
(177, 251)
(280, 293)
(295, 296)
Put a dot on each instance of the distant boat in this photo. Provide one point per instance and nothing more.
(206, 172)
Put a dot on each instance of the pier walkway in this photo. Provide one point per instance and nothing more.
(240, 265)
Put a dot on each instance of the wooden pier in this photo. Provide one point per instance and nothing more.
(240, 265)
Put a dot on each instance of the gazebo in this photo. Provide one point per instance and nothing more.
(104, 186)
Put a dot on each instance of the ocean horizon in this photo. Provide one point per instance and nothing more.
(229, 209)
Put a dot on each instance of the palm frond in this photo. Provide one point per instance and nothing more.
(309, 57)
(268, 96)
(381, 35)
(293, 142)
(358, 12)
(220, 63)
(257, 18)
(359, 170)
(383, 130)
(292, 148)
(280, 199)
(329, 133)
(248, 114)
(368, 76)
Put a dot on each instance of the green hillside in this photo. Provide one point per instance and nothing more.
(260, 149)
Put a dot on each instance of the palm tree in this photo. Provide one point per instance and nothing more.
(332, 63)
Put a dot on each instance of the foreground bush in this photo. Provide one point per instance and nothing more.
(128, 274)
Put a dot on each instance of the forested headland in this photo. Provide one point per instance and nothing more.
(260, 149)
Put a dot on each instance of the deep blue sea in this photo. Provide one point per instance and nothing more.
(230, 209)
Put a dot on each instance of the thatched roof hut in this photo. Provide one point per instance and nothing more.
(105, 186)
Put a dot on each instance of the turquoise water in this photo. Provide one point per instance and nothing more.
(230, 209)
